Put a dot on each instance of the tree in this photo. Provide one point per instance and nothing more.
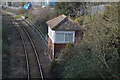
(40, 17)
(69, 8)
(97, 55)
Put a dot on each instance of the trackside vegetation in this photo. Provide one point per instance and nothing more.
(97, 55)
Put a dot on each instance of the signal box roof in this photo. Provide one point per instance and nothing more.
(63, 23)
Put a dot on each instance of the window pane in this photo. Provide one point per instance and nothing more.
(60, 37)
(68, 37)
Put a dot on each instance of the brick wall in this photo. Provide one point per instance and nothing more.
(58, 48)
(50, 48)
(54, 49)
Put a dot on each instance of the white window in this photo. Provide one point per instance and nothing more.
(60, 37)
(68, 37)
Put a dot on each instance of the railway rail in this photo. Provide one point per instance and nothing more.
(33, 64)
(37, 30)
(40, 34)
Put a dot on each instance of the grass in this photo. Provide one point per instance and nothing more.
(19, 16)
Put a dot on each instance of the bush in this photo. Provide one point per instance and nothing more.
(21, 11)
(19, 16)
(53, 63)
(97, 55)
(79, 20)
(70, 45)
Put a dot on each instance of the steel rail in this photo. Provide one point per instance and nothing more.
(25, 50)
(26, 54)
(37, 30)
(40, 34)
(34, 49)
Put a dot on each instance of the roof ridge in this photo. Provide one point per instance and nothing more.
(63, 15)
(60, 21)
(57, 17)
(63, 22)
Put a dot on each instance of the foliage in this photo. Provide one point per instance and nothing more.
(53, 63)
(97, 55)
(19, 16)
(70, 45)
(79, 20)
(11, 10)
(43, 15)
(69, 8)
(22, 11)
(84, 64)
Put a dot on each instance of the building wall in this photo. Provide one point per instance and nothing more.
(50, 48)
(73, 32)
(58, 48)
(52, 35)
(55, 48)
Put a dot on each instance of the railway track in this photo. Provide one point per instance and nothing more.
(40, 34)
(37, 30)
(33, 64)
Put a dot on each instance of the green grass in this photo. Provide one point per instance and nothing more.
(19, 16)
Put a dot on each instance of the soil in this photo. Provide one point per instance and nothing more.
(17, 57)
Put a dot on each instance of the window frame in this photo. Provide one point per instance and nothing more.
(63, 37)
(65, 32)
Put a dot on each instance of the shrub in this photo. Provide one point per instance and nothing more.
(21, 11)
(53, 63)
(79, 20)
(19, 16)
(97, 56)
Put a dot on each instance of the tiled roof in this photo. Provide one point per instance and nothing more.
(63, 23)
